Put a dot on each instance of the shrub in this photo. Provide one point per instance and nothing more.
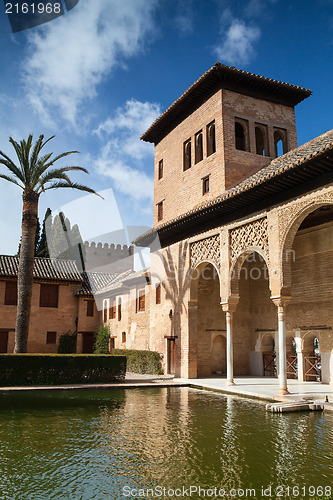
(141, 361)
(102, 339)
(54, 369)
(67, 343)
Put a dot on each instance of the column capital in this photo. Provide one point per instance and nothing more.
(281, 301)
(230, 305)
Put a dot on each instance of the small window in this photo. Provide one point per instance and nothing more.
(242, 134)
(105, 313)
(123, 337)
(141, 300)
(49, 295)
(112, 310)
(119, 309)
(160, 169)
(11, 293)
(158, 293)
(211, 144)
(280, 142)
(51, 337)
(160, 211)
(261, 139)
(198, 147)
(187, 154)
(205, 185)
(90, 307)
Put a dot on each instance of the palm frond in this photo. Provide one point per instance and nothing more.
(18, 152)
(62, 155)
(11, 179)
(47, 140)
(37, 148)
(32, 170)
(28, 168)
(7, 162)
(40, 167)
(73, 185)
(50, 176)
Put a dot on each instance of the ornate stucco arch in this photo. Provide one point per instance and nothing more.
(196, 273)
(292, 217)
(237, 264)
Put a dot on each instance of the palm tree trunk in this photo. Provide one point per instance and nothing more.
(25, 273)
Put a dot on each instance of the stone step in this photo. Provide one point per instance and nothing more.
(293, 406)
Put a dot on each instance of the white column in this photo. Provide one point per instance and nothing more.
(230, 349)
(229, 308)
(282, 352)
(281, 303)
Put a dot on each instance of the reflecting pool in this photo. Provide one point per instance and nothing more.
(133, 443)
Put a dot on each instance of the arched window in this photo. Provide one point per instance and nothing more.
(198, 156)
(241, 135)
(187, 154)
(280, 142)
(211, 143)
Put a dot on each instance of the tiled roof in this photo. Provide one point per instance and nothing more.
(93, 282)
(230, 78)
(125, 279)
(44, 269)
(291, 161)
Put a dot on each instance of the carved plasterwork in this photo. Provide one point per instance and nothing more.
(207, 249)
(251, 235)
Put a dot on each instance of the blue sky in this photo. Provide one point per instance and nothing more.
(99, 75)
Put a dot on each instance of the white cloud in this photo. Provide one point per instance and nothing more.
(70, 56)
(238, 44)
(184, 17)
(126, 179)
(127, 125)
(123, 155)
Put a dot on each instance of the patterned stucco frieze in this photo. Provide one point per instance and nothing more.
(251, 235)
(207, 249)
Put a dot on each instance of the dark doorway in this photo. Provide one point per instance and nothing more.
(3, 342)
(88, 340)
(171, 347)
(112, 344)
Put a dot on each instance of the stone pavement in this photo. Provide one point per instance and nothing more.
(266, 388)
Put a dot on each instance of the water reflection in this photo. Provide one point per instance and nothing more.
(88, 445)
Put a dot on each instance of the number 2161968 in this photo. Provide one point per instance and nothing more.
(33, 8)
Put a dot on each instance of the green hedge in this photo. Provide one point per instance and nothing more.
(55, 369)
(141, 361)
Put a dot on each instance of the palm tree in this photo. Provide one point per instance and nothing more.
(34, 174)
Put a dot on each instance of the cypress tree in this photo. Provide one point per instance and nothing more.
(42, 250)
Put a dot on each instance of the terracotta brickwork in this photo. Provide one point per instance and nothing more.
(61, 319)
(181, 190)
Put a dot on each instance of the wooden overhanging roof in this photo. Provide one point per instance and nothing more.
(296, 172)
(44, 269)
(218, 77)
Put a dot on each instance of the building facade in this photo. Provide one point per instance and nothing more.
(243, 281)
(62, 302)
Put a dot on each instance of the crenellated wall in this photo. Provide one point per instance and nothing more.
(108, 258)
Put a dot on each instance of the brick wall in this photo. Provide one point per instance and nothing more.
(180, 191)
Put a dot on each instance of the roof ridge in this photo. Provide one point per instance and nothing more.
(221, 70)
